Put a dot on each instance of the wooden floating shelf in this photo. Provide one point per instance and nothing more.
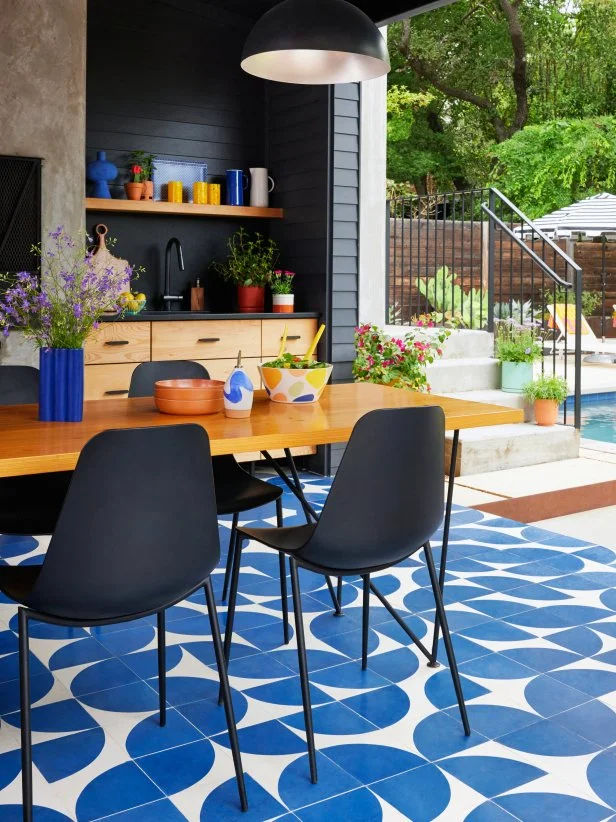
(179, 209)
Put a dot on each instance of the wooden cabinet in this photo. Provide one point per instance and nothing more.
(206, 339)
(118, 342)
(300, 334)
(107, 382)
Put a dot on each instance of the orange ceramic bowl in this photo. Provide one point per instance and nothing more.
(189, 397)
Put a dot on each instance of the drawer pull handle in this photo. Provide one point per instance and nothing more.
(116, 393)
(293, 337)
(209, 339)
(117, 342)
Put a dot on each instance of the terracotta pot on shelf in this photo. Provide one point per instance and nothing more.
(546, 412)
(251, 299)
(282, 303)
(148, 190)
(133, 190)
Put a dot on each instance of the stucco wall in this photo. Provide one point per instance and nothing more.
(42, 100)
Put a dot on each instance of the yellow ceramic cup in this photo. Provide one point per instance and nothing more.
(200, 193)
(213, 194)
(174, 191)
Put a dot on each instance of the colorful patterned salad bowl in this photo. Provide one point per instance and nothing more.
(295, 385)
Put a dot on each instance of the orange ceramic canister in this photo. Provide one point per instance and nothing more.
(200, 193)
(174, 191)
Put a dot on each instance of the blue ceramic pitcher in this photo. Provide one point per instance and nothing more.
(237, 182)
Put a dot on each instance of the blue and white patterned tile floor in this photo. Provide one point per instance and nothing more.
(535, 633)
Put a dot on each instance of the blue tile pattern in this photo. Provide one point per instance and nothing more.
(534, 621)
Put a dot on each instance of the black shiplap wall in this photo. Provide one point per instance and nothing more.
(164, 76)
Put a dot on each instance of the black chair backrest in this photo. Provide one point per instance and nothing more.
(386, 500)
(19, 384)
(138, 530)
(146, 374)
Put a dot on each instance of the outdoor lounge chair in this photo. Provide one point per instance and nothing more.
(562, 317)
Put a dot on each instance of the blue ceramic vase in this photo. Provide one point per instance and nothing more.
(239, 394)
(100, 172)
(61, 384)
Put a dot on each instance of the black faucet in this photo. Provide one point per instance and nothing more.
(168, 298)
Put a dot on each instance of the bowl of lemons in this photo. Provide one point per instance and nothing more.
(132, 303)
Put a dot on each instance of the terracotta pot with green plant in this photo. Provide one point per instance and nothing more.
(145, 162)
(134, 189)
(516, 347)
(249, 266)
(547, 393)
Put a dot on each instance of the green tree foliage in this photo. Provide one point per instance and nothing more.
(549, 166)
(487, 70)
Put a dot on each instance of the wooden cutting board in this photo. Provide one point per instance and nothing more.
(103, 258)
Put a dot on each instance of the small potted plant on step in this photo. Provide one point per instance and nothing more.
(145, 162)
(282, 292)
(547, 393)
(134, 189)
(249, 266)
(517, 347)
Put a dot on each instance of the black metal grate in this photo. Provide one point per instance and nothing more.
(20, 212)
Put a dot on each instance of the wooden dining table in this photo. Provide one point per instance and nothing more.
(28, 446)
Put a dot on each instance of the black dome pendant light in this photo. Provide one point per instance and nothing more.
(315, 42)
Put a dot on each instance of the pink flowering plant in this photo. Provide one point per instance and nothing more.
(399, 361)
(61, 305)
(282, 282)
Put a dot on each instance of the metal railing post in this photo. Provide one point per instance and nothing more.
(577, 401)
(491, 259)
(387, 259)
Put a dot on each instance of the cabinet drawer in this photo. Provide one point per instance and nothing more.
(220, 369)
(300, 334)
(118, 343)
(206, 339)
(108, 382)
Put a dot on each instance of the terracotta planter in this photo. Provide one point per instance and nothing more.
(251, 299)
(148, 190)
(282, 303)
(546, 412)
(133, 190)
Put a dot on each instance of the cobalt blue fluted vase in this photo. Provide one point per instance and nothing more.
(100, 172)
(61, 385)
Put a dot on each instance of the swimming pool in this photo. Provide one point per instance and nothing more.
(598, 417)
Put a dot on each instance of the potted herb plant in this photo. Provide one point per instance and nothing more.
(517, 347)
(57, 311)
(282, 292)
(146, 162)
(134, 189)
(249, 266)
(547, 393)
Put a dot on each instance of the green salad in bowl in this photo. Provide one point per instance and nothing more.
(293, 361)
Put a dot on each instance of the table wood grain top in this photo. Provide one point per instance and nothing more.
(28, 446)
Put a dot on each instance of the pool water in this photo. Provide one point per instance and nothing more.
(599, 419)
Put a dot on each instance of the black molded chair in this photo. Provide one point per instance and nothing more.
(385, 503)
(104, 568)
(236, 490)
(29, 504)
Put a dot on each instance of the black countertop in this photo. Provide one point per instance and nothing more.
(158, 316)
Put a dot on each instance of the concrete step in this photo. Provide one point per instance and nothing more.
(454, 375)
(512, 446)
(463, 343)
(495, 396)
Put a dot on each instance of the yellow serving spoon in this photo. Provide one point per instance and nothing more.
(283, 343)
(314, 343)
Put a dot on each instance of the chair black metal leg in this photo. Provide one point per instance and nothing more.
(445, 543)
(451, 657)
(303, 670)
(283, 578)
(235, 577)
(162, 668)
(230, 556)
(26, 731)
(339, 594)
(365, 622)
(226, 693)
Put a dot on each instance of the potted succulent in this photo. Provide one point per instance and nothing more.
(547, 393)
(517, 347)
(249, 266)
(281, 285)
(146, 162)
(134, 189)
(57, 311)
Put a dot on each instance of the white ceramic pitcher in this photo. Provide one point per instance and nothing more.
(261, 185)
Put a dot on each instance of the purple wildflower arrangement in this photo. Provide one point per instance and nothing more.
(60, 307)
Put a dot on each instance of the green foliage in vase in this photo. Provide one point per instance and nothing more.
(547, 388)
(514, 342)
(251, 259)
